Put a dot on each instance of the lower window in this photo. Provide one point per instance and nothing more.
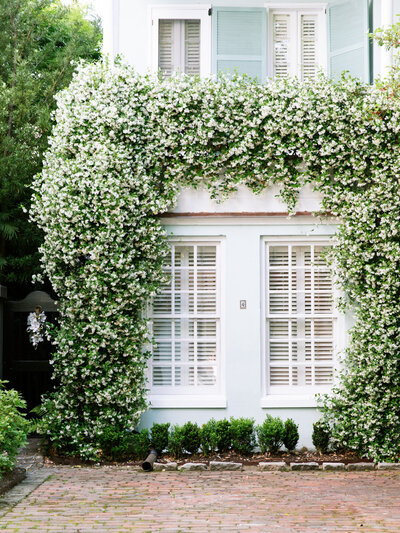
(300, 319)
(186, 322)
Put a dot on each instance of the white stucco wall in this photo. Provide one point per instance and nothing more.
(243, 280)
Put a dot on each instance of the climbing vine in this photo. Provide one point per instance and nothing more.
(122, 146)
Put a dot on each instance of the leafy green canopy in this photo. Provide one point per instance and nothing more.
(38, 41)
(122, 146)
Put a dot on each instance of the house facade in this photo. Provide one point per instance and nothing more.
(248, 324)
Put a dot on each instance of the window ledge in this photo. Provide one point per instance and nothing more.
(277, 400)
(182, 401)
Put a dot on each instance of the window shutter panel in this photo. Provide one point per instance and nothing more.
(280, 53)
(348, 46)
(192, 47)
(166, 47)
(239, 41)
(308, 46)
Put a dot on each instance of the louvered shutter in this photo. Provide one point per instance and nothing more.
(166, 47)
(192, 47)
(348, 47)
(300, 318)
(308, 45)
(281, 44)
(185, 321)
(239, 41)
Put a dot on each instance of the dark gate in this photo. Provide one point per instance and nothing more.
(27, 368)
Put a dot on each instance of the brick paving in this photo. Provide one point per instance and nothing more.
(123, 499)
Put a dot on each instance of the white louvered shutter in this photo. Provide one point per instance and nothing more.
(281, 44)
(192, 47)
(308, 46)
(166, 47)
(186, 321)
(300, 318)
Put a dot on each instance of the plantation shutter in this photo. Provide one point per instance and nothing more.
(300, 318)
(308, 45)
(239, 41)
(185, 322)
(192, 47)
(166, 47)
(281, 44)
(348, 46)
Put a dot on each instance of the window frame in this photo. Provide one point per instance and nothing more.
(215, 398)
(297, 398)
(319, 9)
(182, 12)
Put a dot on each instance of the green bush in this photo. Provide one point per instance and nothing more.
(270, 434)
(224, 435)
(159, 437)
(118, 444)
(290, 434)
(175, 441)
(243, 438)
(321, 436)
(13, 427)
(191, 437)
(208, 437)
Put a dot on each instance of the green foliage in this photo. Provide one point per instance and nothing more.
(321, 436)
(270, 434)
(243, 437)
(120, 445)
(209, 437)
(175, 441)
(290, 434)
(223, 435)
(191, 437)
(13, 427)
(123, 145)
(159, 437)
(38, 41)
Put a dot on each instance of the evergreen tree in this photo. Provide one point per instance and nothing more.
(38, 41)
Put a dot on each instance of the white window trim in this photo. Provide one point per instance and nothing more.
(293, 399)
(182, 12)
(217, 397)
(318, 9)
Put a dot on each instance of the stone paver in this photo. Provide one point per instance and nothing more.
(123, 499)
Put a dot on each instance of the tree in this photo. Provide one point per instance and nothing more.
(39, 41)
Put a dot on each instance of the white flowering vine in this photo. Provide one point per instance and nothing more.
(36, 327)
(122, 146)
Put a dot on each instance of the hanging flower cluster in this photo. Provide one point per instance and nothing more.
(122, 146)
(36, 327)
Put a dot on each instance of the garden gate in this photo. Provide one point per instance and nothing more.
(27, 368)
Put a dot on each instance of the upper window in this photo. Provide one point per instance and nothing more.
(179, 46)
(181, 40)
(186, 322)
(300, 319)
(296, 42)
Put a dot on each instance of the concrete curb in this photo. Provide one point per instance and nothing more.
(277, 466)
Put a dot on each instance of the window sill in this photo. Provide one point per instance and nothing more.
(176, 401)
(277, 401)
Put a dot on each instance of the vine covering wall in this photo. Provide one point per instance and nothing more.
(121, 147)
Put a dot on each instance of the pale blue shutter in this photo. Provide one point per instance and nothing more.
(348, 42)
(240, 41)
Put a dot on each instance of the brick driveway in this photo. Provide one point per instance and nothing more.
(125, 499)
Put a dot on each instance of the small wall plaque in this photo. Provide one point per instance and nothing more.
(243, 304)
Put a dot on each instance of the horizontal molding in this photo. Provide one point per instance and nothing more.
(182, 401)
(245, 214)
(277, 401)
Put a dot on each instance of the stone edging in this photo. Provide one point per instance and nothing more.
(276, 466)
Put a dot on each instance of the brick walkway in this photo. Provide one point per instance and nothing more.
(124, 499)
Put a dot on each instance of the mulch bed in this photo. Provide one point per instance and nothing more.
(303, 456)
(11, 479)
